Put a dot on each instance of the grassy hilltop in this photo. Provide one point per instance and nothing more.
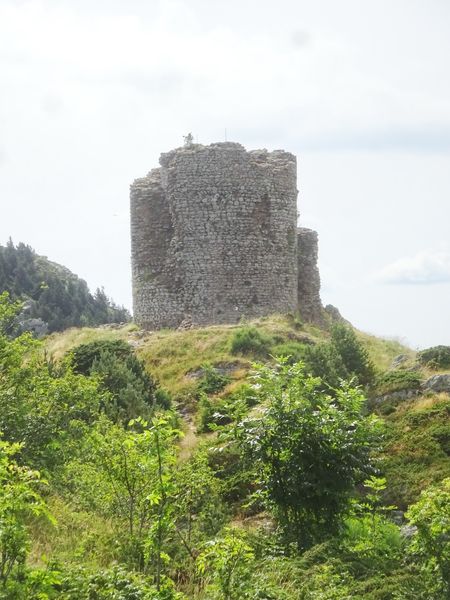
(415, 457)
(172, 354)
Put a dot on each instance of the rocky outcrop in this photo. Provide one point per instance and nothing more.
(437, 383)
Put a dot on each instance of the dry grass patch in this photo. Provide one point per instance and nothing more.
(59, 343)
(382, 351)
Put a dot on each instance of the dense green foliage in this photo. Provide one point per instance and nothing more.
(437, 357)
(431, 516)
(251, 341)
(353, 354)
(310, 449)
(342, 357)
(122, 374)
(19, 499)
(417, 448)
(280, 502)
(212, 381)
(52, 293)
(396, 381)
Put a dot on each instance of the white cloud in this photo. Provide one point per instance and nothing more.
(428, 267)
(313, 83)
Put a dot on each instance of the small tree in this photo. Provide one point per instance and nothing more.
(354, 356)
(310, 450)
(198, 509)
(324, 361)
(121, 373)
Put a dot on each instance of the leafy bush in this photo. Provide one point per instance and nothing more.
(84, 355)
(416, 450)
(44, 409)
(221, 411)
(431, 516)
(227, 561)
(341, 358)
(324, 361)
(122, 374)
(395, 381)
(437, 357)
(128, 474)
(199, 510)
(208, 414)
(163, 398)
(354, 356)
(212, 381)
(19, 501)
(252, 341)
(106, 584)
(293, 351)
(310, 450)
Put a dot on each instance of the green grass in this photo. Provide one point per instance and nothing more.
(74, 533)
(417, 452)
(170, 355)
(382, 351)
(57, 344)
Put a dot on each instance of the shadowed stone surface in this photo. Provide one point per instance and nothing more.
(214, 239)
(309, 302)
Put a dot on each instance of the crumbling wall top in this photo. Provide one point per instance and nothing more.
(168, 159)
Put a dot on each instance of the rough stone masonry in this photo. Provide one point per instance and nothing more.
(214, 239)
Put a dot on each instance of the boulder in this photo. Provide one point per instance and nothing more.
(438, 383)
(399, 360)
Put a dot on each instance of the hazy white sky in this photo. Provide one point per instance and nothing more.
(91, 92)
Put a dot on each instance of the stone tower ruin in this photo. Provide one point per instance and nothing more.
(214, 238)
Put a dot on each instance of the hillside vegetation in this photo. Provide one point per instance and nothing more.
(54, 298)
(195, 465)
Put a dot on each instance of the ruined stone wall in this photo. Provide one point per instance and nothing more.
(310, 305)
(214, 236)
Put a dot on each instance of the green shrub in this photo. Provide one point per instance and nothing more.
(221, 411)
(117, 583)
(293, 351)
(310, 451)
(19, 502)
(431, 516)
(437, 357)
(228, 562)
(163, 398)
(212, 381)
(209, 414)
(417, 451)
(395, 381)
(83, 356)
(354, 356)
(122, 374)
(250, 340)
(341, 358)
(324, 361)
